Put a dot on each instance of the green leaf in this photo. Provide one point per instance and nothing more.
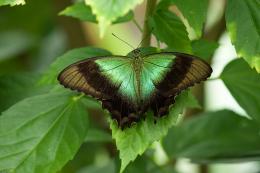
(107, 168)
(139, 165)
(8, 49)
(14, 88)
(243, 25)
(68, 58)
(133, 141)
(40, 134)
(214, 137)
(195, 12)
(107, 11)
(96, 135)
(173, 33)
(83, 12)
(244, 84)
(204, 48)
(12, 2)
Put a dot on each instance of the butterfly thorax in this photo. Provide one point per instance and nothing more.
(137, 67)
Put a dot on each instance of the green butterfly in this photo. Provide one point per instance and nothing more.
(128, 86)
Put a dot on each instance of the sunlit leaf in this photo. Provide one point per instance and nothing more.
(107, 11)
(243, 25)
(40, 134)
(194, 11)
(214, 137)
(244, 84)
(83, 12)
(68, 58)
(12, 2)
(133, 141)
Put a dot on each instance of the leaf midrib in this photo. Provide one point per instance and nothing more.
(50, 128)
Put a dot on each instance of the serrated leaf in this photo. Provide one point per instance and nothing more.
(107, 11)
(214, 137)
(244, 85)
(204, 48)
(12, 2)
(133, 141)
(244, 29)
(83, 12)
(68, 58)
(173, 33)
(40, 134)
(195, 12)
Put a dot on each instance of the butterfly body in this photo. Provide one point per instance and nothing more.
(130, 85)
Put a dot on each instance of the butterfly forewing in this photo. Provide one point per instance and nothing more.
(95, 76)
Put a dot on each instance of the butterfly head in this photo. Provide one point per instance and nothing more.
(142, 51)
(136, 53)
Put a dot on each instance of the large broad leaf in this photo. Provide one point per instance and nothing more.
(68, 58)
(195, 12)
(133, 141)
(204, 48)
(214, 137)
(12, 2)
(14, 88)
(83, 12)
(244, 84)
(243, 24)
(107, 11)
(173, 33)
(40, 134)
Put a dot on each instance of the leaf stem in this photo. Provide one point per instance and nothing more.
(137, 25)
(212, 79)
(146, 37)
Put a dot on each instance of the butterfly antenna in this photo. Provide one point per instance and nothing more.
(123, 41)
(147, 35)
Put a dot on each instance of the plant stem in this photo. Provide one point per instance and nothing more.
(146, 37)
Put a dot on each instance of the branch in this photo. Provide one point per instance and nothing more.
(146, 37)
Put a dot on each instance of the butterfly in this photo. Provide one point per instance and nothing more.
(129, 86)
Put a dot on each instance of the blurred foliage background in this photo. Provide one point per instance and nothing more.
(34, 35)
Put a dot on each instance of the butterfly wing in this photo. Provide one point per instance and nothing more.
(167, 74)
(85, 76)
(108, 79)
(127, 91)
